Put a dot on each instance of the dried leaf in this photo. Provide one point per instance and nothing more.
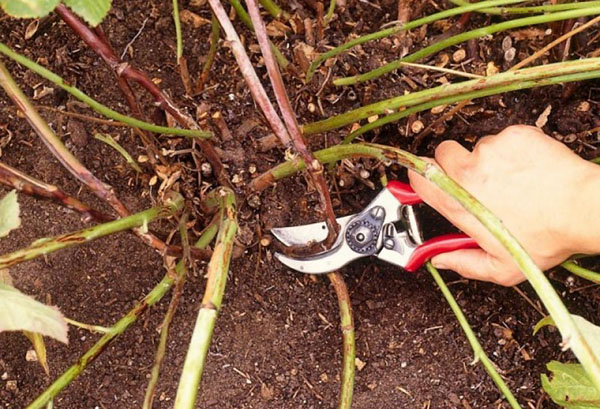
(192, 18)
(32, 28)
(9, 214)
(40, 349)
(543, 118)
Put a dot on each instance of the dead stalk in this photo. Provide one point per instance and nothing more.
(315, 168)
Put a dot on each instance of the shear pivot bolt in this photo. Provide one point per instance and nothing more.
(377, 212)
(389, 244)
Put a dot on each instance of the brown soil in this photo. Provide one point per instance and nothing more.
(277, 341)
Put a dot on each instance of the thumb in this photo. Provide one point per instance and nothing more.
(477, 264)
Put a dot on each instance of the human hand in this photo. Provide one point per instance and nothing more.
(546, 196)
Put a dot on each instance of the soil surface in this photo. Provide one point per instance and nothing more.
(277, 342)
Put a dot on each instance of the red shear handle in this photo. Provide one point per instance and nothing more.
(403, 192)
(439, 245)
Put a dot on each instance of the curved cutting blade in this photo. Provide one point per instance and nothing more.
(321, 263)
(307, 233)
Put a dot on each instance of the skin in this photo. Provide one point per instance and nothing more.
(546, 195)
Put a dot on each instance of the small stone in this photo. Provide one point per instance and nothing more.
(372, 385)
(491, 69)
(11, 386)
(4, 376)
(584, 106)
(265, 241)
(324, 378)
(206, 169)
(311, 107)
(364, 173)
(252, 169)
(153, 180)
(506, 43)
(510, 54)
(438, 110)
(254, 201)
(142, 159)
(459, 55)
(237, 179)
(372, 118)
(31, 356)
(359, 364)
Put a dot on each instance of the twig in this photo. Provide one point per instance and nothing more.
(579, 271)
(449, 93)
(109, 140)
(397, 29)
(554, 43)
(131, 73)
(478, 351)
(121, 326)
(95, 105)
(210, 58)
(254, 84)
(315, 168)
(178, 36)
(245, 18)
(348, 348)
(135, 37)
(180, 272)
(521, 64)
(546, 8)
(49, 245)
(33, 187)
(457, 39)
(83, 117)
(217, 270)
(55, 145)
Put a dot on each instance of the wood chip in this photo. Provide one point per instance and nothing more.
(417, 126)
(188, 17)
(359, 364)
(459, 55)
(543, 118)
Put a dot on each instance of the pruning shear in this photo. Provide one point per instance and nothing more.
(387, 228)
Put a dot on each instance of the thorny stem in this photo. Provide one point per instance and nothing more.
(148, 140)
(457, 39)
(73, 372)
(315, 168)
(533, 9)
(397, 29)
(95, 105)
(245, 18)
(273, 9)
(349, 348)
(256, 89)
(49, 245)
(448, 93)
(34, 187)
(180, 272)
(572, 337)
(210, 58)
(217, 270)
(131, 73)
(579, 271)
(478, 351)
(55, 145)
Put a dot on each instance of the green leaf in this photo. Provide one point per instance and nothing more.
(19, 312)
(28, 8)
(547, 320)
(9, 213)
(570, 386)
(92, 11)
